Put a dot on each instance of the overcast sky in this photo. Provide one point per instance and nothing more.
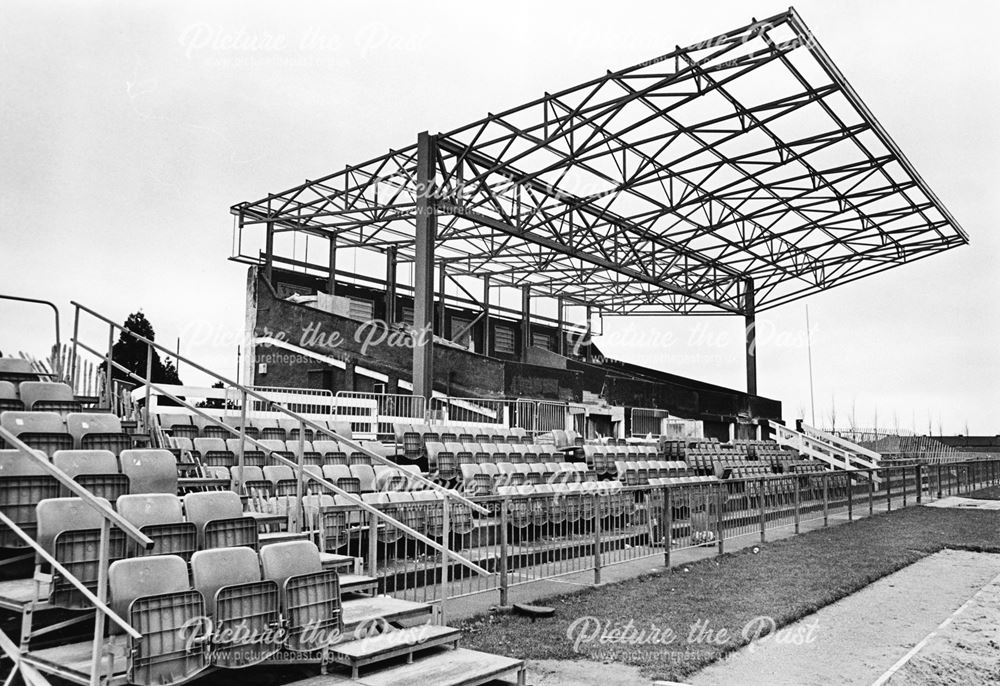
(127, 129)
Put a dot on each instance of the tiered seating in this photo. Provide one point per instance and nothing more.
(643, 472)
(179, 424)
(15, 371)
(413, 438)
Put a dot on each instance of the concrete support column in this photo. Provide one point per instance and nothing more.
(349, 374)
(423, 267)
(390, 285)
(525, 322)
(751, 337)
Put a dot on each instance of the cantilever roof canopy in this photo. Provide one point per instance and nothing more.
(742, 162)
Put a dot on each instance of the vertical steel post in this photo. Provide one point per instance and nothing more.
(719, 523)
(390, 284)
(525, 322)
(871, 492)
(504, 581)
(904, 486)
(102, 595)
(240, 458)
(939, 480)
(372, 544)
(300, 477)
(445, 558)
(73, 353)
(423, 267)
(760, 507)
(749, 313)
(107, 364)
(597, 540)
(668, 526)
(147, 424)
(798, 504)
(826, 498)
(888, 490)
(850, 498)
(331, 278)
(920, 483)
(269, 253)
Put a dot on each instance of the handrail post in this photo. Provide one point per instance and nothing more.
(372, 544)
(888, 490)
(108, 368)
(147, 424)
(760, 507)
(102, 595)
(720, 500)
(445, 559)
(504, 519)
(939, 480)
(668, 525)
(597, 539)
(920, 484)
(826, 499)
(73, 353)
(300, 478)
(904, 486)
(850, 498)
(240, 458)
(871, 492)
(798, 502)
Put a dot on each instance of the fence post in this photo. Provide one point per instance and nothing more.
(104, 550)
(719, 504)
(939, 480)
(871, 492)
(798, 500)
(73, 355)
(300, 477)
(904, 486)
(504, 518)
(597, 540)
(107, 363)
(147, 425)
(240, 458)
(373, 543)
(760, 507)
(850, 497)
(445, 558)
(920, 484)
(668, 526)
(826, 499)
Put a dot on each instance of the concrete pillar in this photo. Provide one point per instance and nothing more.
(751, 338)
(390, 285)
(331, 279)
(349, 369)
(423, 267)
(525, 322)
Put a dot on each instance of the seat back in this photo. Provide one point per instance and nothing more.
(150, 471)
(95, 470)
(218, 516)
(48, 395)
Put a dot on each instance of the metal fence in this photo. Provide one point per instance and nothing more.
(587, 527)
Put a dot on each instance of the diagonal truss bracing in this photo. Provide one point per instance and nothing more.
(664, 188)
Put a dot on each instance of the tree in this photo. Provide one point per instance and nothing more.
(131, 354)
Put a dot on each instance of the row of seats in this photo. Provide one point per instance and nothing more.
(485, 479)
(51, 431)
(602, 458)
(280, 480)
(38, 396)
(639, 473)
(217, 452)
(193, 426)
(16, 371)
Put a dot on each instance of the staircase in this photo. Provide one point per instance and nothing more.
(833, 451)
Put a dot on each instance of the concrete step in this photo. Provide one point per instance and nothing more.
(393, 644)
(379, 609)
(458, 667)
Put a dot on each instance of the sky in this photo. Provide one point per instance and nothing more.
(128, 129)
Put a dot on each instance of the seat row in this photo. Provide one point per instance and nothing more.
(51, 431)
(224, 453)
(485, 479)
(602, 458)
(190, 426)
(16, 371)
(38, 396)
(638, 473)
(280, 480)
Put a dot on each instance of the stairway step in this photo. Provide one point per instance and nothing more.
(357, 583)
(357, 611)
(281, 537)
(392, 644)
(345, 564)
(458, 667)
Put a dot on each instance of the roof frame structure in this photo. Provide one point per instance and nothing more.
(742, 162)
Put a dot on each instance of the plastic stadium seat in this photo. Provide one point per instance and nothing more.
(8, 397)
(253, 481)
(390, 479)
(95, 470)
(282, 479)
(252, 455)
(365, 476)
(159, 516)
(340, 475)
(153, 594)
(41, 396)
(274, 445)
(150, 471)
(97, 431)
(179, 425)
(214, 452)
(70, 530)
(237, 599)
(23, 484)
(45, 431)
(16, 370)
(273, 433)
(219, 517)
(309, 595)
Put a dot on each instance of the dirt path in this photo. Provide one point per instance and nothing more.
(857, 639)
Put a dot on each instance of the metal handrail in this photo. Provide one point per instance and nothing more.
(269, 403)
(302, 474)
(59, 475)
(18, 298)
